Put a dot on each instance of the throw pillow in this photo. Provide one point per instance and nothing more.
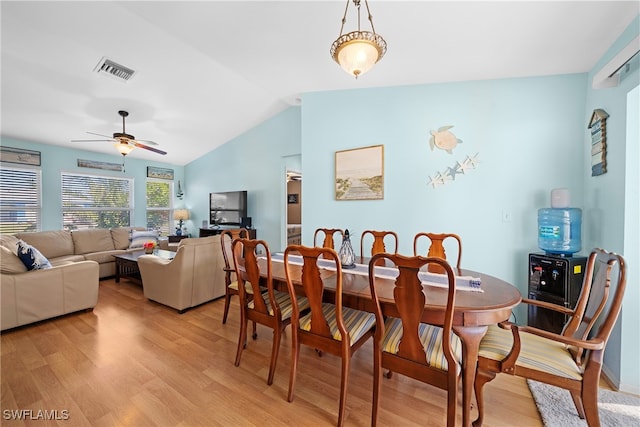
(139, 238)
(31, 257)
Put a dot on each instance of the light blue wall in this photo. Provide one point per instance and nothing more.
(605, 210)
(529, 134)
(57, 159)
(256, 162)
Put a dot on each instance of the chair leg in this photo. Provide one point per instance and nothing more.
(590, 401)
(255, 332)
(577, 402)
(482, 377)
(242, 339)
(277, 336)
(377, 380)
(227, 302)
(295, 353)
(343, 388)
(452, 402)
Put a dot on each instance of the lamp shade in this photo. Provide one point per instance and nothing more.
(357, 55)
(181, 214)
(124, 148)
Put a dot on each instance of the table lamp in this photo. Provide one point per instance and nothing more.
(180, 215)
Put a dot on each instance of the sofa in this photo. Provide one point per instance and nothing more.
(90, 244)
(194, 276)
(77, 259)
(30, 296)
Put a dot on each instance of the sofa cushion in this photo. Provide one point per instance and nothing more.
(52, 244)
(103, 257)
(122, 236)
(139, 238)
(10, 242)
(92, 240)
(68, 259)
(10, 263)
(31, 257)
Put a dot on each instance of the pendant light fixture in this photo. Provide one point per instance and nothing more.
(358, 51)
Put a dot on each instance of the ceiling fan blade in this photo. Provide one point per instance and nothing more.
(99, 134)
(92, 140)
(146, 147)
(146, 141)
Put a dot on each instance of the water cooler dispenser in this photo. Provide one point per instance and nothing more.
(555, 279)
(556, 275)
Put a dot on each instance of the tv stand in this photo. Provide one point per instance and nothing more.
(204, 232)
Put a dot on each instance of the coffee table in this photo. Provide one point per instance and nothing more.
(127, 263)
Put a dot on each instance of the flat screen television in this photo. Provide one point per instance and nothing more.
(227, 208)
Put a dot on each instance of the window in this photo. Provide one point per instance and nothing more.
(20, 199)
(91, 201)
(159, 205)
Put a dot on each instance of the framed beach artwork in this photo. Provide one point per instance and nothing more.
(161, 173)
(360, 173)
(19, 156)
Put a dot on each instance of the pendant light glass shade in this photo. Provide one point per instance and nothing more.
(124, 148)
(358, 51)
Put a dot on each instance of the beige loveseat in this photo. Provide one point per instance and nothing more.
(194, 276)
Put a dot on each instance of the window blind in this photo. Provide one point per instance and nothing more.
(93, 201)
(20, 199)
(159, 205)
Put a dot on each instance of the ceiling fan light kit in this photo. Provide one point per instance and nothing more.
(358, 51)
(124, 142)
(124, 148)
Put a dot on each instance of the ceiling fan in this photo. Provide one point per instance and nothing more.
(125, 142)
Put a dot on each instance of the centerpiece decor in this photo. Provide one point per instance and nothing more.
(346, 255)
(149, 247)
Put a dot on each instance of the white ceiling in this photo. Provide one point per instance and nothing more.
(207, 71)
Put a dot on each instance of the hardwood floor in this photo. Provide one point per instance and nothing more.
(132, 362)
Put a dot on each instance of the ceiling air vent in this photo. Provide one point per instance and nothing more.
(113, 69)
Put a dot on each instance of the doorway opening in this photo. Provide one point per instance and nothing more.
(294, 207)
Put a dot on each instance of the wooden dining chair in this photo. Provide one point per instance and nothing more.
(328, 235)
(572, 359)
(265, 305)
(436, 248)
(231, 283)
(379, 238)
(327, 327)
(403, 344)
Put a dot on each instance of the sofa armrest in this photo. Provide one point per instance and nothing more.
(42, 294)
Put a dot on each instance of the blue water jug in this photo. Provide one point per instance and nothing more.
(559, 230)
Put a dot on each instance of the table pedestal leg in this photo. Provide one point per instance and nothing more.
(470, 337)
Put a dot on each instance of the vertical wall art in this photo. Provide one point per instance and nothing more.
(598, 126)
(360, 173)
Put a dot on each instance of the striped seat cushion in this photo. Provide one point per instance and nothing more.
(537, 353)
(357, 322)
(234, 285)
(430, 337)
(284, 301)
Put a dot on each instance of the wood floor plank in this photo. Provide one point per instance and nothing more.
(133, 362)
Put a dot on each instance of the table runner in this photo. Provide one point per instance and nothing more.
(463, 283)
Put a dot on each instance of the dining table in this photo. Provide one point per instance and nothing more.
(474, 310)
